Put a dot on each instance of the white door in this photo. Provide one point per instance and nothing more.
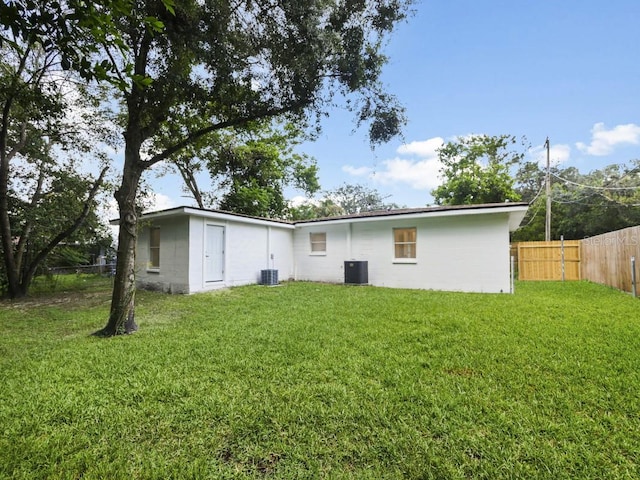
(214, 254)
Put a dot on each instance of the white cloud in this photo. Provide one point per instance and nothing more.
(604, 141)
(301, 200)
(356, 172)
(109, 210)
(159, 201)
(557, 154)
(421, 175)
(425, 149)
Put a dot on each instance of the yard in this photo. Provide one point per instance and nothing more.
(311, 380)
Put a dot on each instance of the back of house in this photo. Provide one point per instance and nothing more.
(457, 248)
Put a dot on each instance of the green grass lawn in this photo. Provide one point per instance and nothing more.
(324, 381)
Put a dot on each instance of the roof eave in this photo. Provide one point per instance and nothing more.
(517, 211)
(213, 214)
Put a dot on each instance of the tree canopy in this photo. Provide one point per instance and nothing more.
(582, 204)
(356, 198)
(215, 65)
(478, 169)
(343, 200)
(75, 31)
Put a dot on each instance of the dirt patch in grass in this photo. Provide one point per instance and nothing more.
(73, 300)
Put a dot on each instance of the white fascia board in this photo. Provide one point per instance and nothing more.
(516, 217)
(226, 217)
(516, 214)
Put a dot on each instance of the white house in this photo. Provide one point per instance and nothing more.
(459, 248)
(188, 250)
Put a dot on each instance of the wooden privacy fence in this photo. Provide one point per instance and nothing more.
(607, 258)
(604, 259)
(553, 260)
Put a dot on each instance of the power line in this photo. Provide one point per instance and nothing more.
(579, 201)
(537, 195)
(533, 217)
(593, 186)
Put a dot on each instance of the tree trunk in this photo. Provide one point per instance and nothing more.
(122, 315)
(13, 279)
(6, 236)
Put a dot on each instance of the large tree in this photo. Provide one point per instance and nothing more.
(220, 64)
(478, 169)
(43, 131)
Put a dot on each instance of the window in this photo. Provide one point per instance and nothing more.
(154, 248)
(318, 242)
(404, 242)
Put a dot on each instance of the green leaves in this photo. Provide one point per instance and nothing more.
(154, 24)
(256, 165)
(582, 204)
(141, 80)
(79, 32)
(170, 6)
(354, 198)
(477, 169)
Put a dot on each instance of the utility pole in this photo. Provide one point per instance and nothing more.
(547, 223)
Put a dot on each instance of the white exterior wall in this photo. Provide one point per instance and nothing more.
(173, 274)
(458, 253)
(247, 251)
(281, 246)
(321, 267)
(471, 254)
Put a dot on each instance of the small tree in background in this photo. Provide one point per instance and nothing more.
(344, 200)
(478, 169)
(250, 168)
(356, 198)
(311, 209)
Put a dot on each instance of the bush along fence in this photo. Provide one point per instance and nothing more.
(610, 259)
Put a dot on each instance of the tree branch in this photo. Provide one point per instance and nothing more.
(5, 221)
(6, 109)
(190, 182)
(191, 138)
(113, 62)
(24, 236)
(69, 230)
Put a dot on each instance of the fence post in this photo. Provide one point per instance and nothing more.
(633, 277)
(512, 274)
(562, 254)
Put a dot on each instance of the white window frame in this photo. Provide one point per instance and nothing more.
(150, 266)
(316, 246)
(404, 244)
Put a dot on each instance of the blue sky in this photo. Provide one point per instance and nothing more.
(569, 70)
